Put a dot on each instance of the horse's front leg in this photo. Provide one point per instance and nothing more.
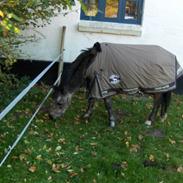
(108, 105)
(156, 104)
(88, 113)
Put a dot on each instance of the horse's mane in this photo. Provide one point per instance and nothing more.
(90, 53)
(77, 69)
(79, 60)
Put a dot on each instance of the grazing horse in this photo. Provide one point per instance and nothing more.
(81, 75)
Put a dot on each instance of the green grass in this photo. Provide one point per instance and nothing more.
(72, 150)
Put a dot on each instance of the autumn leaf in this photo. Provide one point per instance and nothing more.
(61, 141)
(56, 168)
(94, 144)
(58, 148)
(9, 166)
(32, 169)
(93, 153)
(75, 153)
(151, 157)
(126, 133)
(134, 148)
(49, 162)
(127, 144)
(167, 155)
(140, 137)
(180, 169)
(1, 14)
(82, 170)
(39, 157)
(172, 141)
(49, 178)
(22, 157)
(124, 165)
(73, 174)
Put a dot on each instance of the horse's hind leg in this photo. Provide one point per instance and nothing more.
(156, 104)
(108, 104)
(166, 99)
(88, 113)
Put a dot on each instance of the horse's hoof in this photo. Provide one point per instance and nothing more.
(164, 118)
(112, 124)
(148, 123)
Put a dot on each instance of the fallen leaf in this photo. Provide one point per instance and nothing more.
(73, 174)
(172, 141)
(9, 166)
(167, 156)
(127, 144)
(82, 170)
(93, 153)
(140, 137)
(39, 157)
(129, 138)
(49, 162)
(126, 133)
(78, 148)
(151, 157)
(26, 141)
(49, 178)
(61, 141)
(124, 165)
(134, 148)
(180, 169)
(58, 148)
(22, 157)
(94, 144)
(32, 169)
(56, 168)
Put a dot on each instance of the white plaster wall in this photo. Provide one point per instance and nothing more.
(162, 25)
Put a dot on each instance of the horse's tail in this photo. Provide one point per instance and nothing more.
(179, 86)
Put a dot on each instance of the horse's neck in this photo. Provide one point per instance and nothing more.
(75, 79)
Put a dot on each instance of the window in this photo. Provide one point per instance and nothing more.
(121, 11)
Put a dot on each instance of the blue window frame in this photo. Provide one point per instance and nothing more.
(127, 11)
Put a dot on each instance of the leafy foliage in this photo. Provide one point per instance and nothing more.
(17, 15)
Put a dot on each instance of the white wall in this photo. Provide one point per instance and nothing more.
(162, 25)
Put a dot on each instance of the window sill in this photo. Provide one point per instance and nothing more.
(109, 28)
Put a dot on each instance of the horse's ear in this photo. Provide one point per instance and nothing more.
(97, 47)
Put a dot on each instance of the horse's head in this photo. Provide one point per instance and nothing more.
(62, 100)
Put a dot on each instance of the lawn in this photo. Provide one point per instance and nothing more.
(76, 151)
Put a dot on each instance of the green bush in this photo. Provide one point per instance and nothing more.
(17, 15)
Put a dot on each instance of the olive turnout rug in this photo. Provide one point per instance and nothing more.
(131, 69)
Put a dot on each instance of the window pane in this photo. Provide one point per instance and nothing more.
(111, 8)
(91, 7)
(131, 9)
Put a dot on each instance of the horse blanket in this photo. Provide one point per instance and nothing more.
(132, 69)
